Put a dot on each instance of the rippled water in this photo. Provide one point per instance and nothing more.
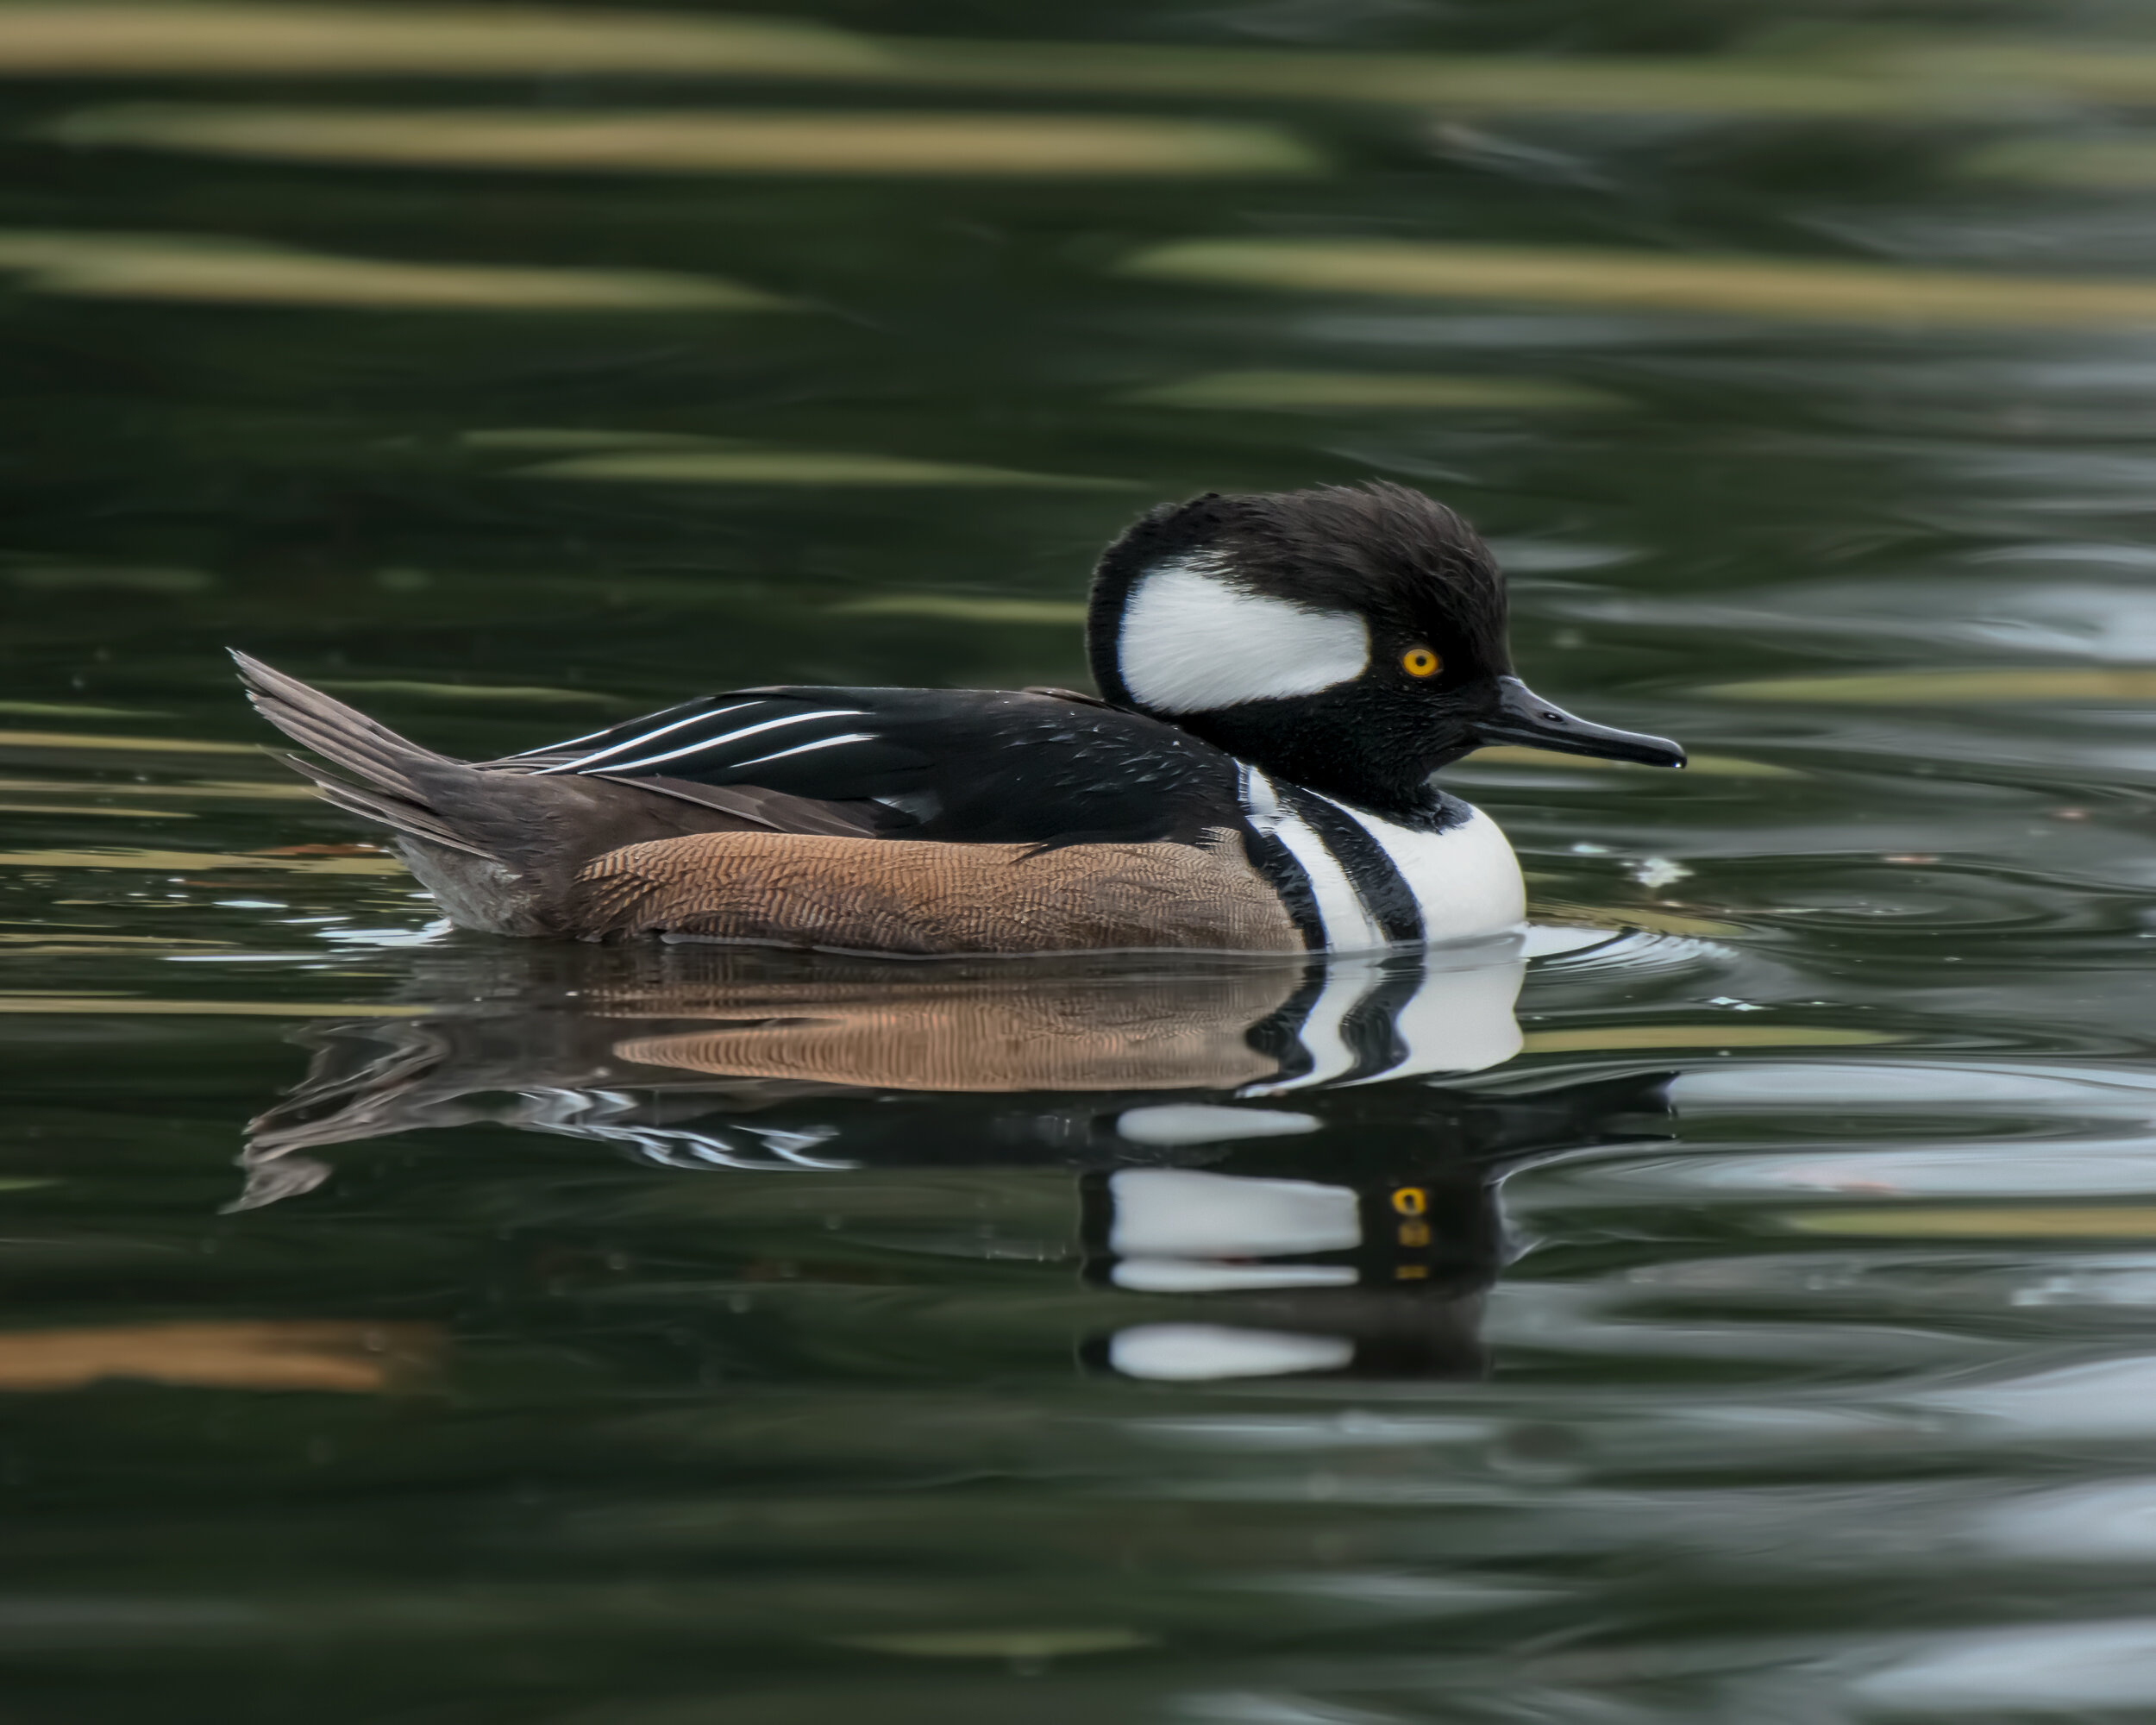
(1732, 1305)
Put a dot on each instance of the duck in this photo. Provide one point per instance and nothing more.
(1279, 677)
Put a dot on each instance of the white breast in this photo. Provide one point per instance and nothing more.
(1466, 878)
(1347, 926)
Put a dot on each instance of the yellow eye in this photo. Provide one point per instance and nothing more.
(1420, 662)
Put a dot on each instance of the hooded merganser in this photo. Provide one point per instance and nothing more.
(1280, 676)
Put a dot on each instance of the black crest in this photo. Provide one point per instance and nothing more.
(1410, 565)
(1410, 568)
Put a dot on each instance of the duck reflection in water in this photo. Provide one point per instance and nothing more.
(1273, 1142)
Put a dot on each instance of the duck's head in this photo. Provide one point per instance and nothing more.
(1349, 638)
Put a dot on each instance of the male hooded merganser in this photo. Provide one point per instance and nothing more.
(1280, 676)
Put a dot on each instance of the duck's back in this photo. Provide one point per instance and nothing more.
(949, 766)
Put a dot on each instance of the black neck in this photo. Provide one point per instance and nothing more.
(1341, 755)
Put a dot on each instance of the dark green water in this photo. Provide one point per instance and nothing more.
(1756, 1327)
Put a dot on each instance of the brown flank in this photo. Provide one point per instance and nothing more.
(920, 897)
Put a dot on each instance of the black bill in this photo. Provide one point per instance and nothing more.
(1520, 715)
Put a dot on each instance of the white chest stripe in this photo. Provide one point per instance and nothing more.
(1322, 1030)
(1347, 926)
(1465, 879)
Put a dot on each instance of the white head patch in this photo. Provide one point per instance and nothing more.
(1192, 643)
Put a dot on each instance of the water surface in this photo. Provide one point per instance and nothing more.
(1730, 1304)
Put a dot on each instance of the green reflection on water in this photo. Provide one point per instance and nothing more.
(185, 267)
(1753, 288)
(758, 142)
(1738, 1314)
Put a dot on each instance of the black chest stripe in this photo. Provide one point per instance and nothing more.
(1384, 893)
(1276, 863)
(1279, 1036)
(1371, 1028)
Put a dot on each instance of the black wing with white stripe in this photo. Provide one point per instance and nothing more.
(962, 765)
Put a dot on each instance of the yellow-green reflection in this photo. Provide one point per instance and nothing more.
(2103, 164)
(1857, 74)
(2094, 1221)
(552, 439)
(71, 947)
(1001, 1643)
(134, 813)
(702, 141)
(471, 691)
(132, 1005)
(335, 1355)
(1643, 282)
(1611, 1039)
(73, 709)
(126, 745)
(456, 41)
(1897, 76)
(1941, 689)
(1305, 391)
(966, 608)
(2090, 70)
(719, 465)
(1467, 83)
(135, 943)
(182, 266)
(365, 41)
(678, 458)
(1627, 916)
(229, 790)
(186, 861)
(92, 577)
(1699, 766)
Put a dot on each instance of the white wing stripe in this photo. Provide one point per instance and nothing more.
(1464, 879)
(569, 742)
(638, 742)
(710, 744)
(804, 747)
(603, 731)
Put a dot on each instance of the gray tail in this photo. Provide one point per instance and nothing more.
(397, 780)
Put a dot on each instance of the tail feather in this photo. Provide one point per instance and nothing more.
(390, 768)
(386, 806)
(529, 835)
(336, 732)
(355, 755)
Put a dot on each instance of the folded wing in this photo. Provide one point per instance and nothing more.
(960, 766)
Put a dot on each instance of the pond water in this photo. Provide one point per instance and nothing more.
(1732, 1304)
